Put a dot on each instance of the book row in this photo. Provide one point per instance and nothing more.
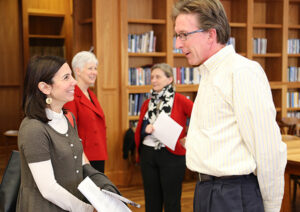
(136, 101)
(259, 45)
(146, 42)
(294, 114)
(293, 74)
(293, 99)
(141, 43)
(182, 75)
(293, 46)
(231, 41)
(174, 46)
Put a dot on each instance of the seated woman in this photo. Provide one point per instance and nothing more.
(52, 158)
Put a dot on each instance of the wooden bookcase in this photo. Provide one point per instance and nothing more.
(84, 33)
(140, 16)
(46, 28)
(106, 25)
(292, 31)
(275, 20)
(83, 25)
(97, 23)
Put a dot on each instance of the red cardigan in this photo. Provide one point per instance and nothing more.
(91, 125)
(181, 110)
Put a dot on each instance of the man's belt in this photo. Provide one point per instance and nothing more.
(205, 177)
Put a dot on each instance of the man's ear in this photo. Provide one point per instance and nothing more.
(44, 88)
(212, 33)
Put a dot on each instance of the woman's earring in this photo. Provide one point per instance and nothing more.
(48, 100)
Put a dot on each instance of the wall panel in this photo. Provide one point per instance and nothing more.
(11, 73)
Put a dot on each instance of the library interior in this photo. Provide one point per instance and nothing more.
(128, 37)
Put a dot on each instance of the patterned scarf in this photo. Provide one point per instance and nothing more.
(162, 101)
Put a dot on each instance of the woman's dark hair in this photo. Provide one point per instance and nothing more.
(39, 69)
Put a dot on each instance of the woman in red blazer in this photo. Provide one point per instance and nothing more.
(87, 110)
(162, 169)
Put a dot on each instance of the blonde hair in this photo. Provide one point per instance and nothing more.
(166, 68)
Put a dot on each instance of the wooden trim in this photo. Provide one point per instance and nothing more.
(293, 109)
(42, 12)
(237, 25)
(250, 8)
(293, 55)
(292, 84)
(133, 118)
(86, 21)
(46, 36)
(268, 26)
(146, 21)
(268, 55)
(138, 89)
(148, 54)
(294, 26)
(7, 85)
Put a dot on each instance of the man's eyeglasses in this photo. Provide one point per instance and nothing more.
(183, 35)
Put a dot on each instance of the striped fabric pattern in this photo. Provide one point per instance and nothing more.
(233, 129)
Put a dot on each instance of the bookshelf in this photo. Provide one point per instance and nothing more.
(293, 59)
(46, 28)
(276, 21)
(106, 25)
(97, 23)
(141, 16)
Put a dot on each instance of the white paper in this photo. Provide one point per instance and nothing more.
(166, 130)
(101, 201)
(123, 199)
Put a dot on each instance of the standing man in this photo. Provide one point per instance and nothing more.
(233, 142)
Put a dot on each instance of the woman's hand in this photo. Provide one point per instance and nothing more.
(149, 128)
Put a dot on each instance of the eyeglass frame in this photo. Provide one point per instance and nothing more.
(184, 35)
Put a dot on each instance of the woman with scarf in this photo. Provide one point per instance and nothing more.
(162, 168)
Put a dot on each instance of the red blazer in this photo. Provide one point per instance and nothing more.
(181, 110)
(91, 125)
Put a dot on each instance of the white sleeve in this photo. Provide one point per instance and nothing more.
(85, 160)
(256, 116)
(43, 176)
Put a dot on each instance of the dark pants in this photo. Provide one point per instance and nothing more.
(98, 165)
(239, 194)
(163, 173)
